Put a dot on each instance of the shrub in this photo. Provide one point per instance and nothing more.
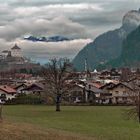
(26, 99)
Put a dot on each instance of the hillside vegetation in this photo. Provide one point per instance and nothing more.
(130, 56)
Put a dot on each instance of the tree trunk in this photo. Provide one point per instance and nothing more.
(58, 103)
(58, 107)
(0, 112)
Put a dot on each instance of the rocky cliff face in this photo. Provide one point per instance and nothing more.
(130, 55)
(107, 46)
(132, 18)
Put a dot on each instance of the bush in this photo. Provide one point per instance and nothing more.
(26, 99)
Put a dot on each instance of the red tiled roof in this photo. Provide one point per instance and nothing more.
(7, 89)
(97, 85)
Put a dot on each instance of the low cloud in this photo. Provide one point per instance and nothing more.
(52, 49)
(45, 50)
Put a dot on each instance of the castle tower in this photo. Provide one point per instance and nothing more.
(16, 51)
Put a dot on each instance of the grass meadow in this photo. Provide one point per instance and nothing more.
(35, 122)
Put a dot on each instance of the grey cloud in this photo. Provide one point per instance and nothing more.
(104, 13)
(57, 26)
(70, 18)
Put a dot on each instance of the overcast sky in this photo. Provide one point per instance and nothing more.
(82, 20)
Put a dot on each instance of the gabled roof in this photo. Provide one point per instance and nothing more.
(124, 84)
(15, 47)
(108, 85)
(34, 87)
(7, 89)
(20, 85)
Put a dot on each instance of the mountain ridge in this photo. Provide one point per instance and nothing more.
(107, 46)
(130, 56)
(47, 39)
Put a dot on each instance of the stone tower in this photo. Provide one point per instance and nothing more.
(16, 51)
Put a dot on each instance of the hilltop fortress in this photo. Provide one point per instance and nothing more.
(14, 59)
(14, 55)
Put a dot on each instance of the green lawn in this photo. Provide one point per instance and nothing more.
(103, 123)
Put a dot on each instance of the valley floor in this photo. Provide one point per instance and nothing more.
(25, 122)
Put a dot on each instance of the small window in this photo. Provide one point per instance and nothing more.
(124, 98)
(124, 92)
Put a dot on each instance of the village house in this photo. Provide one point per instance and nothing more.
(75, 95)
(7, 93)
(91, 92)
(20, 87)
(134, 81)
(35, 88)
(84, 93)
(121, 92)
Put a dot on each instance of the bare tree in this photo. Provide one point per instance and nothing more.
(56, 75)
(134, 97)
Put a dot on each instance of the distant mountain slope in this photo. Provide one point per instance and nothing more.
(47, 39)
(108, 45)
(130, 55)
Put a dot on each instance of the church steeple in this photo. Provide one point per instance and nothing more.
(86, 69)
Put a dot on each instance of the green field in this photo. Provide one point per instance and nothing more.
(97, 123)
